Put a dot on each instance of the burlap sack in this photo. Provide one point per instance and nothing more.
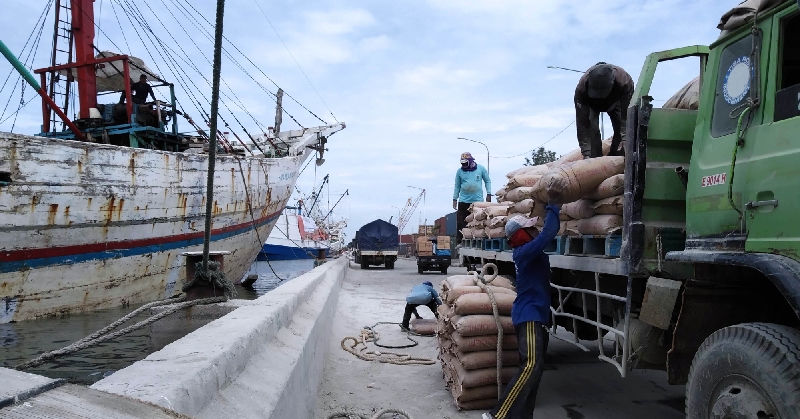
(511, 210)
(455, 281)
(497, 211)
(486, 359)
(520, 193)
(609, 206)
(479, 234)
(562, 228)
(482, 324)
(572, 228)
(501, 192)
(539, 209)
(424, 326)
(582, 177)
(496, 232)
(575, 155)
(503, 281)
(481, 204)
(465, 395)
(479, 214)
(470, 218)
(529, 170)
(525, 206)
(445, 311)
(484, 404)
(480, 304)
(482, 343)
(582, 208)
(615, 185)
(563, 217)
(453, 294)
(600, 225)
(498, 221)
(523, 180)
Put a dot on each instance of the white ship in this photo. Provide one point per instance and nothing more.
(86, 226)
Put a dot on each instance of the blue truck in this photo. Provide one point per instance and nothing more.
(377, 243)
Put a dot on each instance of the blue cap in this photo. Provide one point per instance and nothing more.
(428, 283)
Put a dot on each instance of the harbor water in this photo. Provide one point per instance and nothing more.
(25, 340)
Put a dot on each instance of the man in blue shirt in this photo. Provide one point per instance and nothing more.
(421, 295)
(531, 309)
(468, 189)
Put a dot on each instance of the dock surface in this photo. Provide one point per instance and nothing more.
(575, 384)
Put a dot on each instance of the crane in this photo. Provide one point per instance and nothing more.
(408, 211)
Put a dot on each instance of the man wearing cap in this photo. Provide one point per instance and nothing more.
(421, 295)
(531, 309)
(603, 88)
(468, 189)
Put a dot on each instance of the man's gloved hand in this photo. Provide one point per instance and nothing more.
(488, 198)
(455, 204)
(555, 191)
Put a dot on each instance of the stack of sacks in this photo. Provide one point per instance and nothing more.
(592, 197)
(467, 336)
(486, 219)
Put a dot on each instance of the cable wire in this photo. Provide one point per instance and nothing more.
(537, 147)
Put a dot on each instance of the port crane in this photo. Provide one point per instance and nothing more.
(408, 211)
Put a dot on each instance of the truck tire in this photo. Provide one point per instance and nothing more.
(444, 270)
(389, 264)
(750, 370)
(420, 270)
(364, 265)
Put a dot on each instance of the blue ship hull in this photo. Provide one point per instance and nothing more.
(278, 252)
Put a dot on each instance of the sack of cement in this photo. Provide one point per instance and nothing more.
(501, 192)
(479, 233)
(523, 180)
(480, 304)
(563, 216)
(454, 293)
(470, 218)
(475, 205)
(482, 324)
(610, 206)
(600, 225)
(467, 396)
(496, 232)
(571, 229)
(479, 214)
(496, 211)
(525, 206)
(519, 194)
(467, 233)
(486, 359)
(455, 281)
(529, 170)
(482, 343)
(498, 221)
(615, 185)
(581, 177)
(503, 281)
(511, 210)
(576, 155)
(687, 98)
(582, 208)
(424, 326)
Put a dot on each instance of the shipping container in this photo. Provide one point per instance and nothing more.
(451, 224)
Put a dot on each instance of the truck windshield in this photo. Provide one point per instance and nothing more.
(733, 85)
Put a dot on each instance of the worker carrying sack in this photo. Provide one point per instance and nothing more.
(581, 177)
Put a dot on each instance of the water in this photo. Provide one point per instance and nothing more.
(22, 341)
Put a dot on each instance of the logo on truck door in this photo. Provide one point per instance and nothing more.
(737, 80)
(712, 180)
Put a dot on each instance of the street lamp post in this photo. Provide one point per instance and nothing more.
(425, 222)
(398, 214)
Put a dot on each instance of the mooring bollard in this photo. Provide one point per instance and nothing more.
(320, 258)
(203, 289)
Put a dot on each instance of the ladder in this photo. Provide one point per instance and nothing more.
(59, 85)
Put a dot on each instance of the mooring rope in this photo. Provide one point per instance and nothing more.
(481, 281)
(368, 335)
(377, 415)
(103, 335)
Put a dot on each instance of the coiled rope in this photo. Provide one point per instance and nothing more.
(358, 347)
(102, 335)
(346, 415)
(481, 281)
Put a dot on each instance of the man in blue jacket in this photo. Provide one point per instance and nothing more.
(531, 309)
(421, 295)
(470, 179)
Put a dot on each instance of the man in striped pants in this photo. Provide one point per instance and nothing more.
(531, 309)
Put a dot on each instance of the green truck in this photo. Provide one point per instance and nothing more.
(706, 284)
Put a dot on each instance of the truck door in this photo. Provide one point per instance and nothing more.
(712, 219)
(772, 187)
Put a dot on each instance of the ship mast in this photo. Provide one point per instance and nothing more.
(83, 35)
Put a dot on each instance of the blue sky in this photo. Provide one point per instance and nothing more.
(407, 77)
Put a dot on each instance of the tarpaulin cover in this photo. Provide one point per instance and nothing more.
(378, 236)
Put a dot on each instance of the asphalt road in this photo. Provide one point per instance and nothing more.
(575, 384)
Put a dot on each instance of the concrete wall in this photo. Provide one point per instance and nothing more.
(265, 359)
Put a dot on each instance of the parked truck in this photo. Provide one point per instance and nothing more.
(433, 254)
(377, 243)
(706, 285)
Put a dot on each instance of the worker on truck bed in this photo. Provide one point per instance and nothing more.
(603, 88)
(421, 295)
(531, 309)
(468, 189)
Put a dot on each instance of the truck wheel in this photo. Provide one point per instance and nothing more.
(420, 270)
(444, 271)
(390, 264)
(364, 265)
(750, 370)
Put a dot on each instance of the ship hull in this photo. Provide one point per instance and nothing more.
(89, 226)
(279, 252)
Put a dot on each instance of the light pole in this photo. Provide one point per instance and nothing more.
(425, 222)
(488, 166)
(602, 117)
(398, 214)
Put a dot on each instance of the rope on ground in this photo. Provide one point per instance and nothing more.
(368, 335)
(377, 415)
(102, 335)
(481, 281)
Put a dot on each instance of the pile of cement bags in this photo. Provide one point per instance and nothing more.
(592, 197)
(467, 335)
(486, 220)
